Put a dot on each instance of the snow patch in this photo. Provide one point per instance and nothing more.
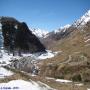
(23, 85)
(50, 78)
(48, 54)
(57, 31)
(63, 81)
(16, 27)
(5, 58)
(80, 84)
(87, 40)
(4, 72)
(60, 80)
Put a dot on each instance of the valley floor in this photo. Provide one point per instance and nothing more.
(22, 81)
(14, 79)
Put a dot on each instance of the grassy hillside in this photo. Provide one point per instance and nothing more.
(74, 61)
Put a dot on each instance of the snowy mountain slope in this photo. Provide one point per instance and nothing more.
(39, 33)
(62, 28)
(83, 20)
(67, 29)
(79, 23)
(66, 26)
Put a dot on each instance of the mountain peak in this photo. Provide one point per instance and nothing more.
(39, 32)
(62, 28)
(87, 13)
(66, 26)
(83, 20)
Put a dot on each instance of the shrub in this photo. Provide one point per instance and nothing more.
(77, 77)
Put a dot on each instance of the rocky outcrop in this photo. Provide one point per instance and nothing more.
(26, 64)
(74, 62)
(17, 36)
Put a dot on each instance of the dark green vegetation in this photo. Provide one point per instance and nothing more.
(18, 37)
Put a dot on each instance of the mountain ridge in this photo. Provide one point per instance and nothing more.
(17, 36)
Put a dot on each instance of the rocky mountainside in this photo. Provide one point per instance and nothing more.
(17, 36)
(74, 61)
(63, 32)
